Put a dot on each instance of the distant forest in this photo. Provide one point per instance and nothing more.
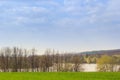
(23, 60)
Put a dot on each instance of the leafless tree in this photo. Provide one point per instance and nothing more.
(77, 61)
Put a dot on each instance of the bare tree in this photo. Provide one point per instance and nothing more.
(15, 60)
(77, 61)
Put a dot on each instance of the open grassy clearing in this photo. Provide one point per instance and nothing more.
(60, 76)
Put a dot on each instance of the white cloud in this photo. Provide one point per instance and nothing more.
(27, 9)
(110, 14)
(21, 15)
(20, 20)
(47, 2)
(99, 14)
(82, 7)
(74, 12)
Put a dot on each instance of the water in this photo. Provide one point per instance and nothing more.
(89, 67)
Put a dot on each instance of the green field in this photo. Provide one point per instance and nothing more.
(60, 76)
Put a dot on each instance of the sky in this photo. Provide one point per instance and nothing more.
(65, 25)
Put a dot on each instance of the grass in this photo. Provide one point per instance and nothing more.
(60, 76)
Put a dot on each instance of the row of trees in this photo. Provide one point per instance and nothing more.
(108, 63)
(23, 60)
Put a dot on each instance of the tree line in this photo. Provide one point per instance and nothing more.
(23, 60)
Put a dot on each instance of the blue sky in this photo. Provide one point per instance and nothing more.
(65, 25)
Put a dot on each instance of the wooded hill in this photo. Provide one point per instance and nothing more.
(103, 52)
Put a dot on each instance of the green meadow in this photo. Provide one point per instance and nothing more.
(61, 76)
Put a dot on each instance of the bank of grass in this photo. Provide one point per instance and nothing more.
(60, 76)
